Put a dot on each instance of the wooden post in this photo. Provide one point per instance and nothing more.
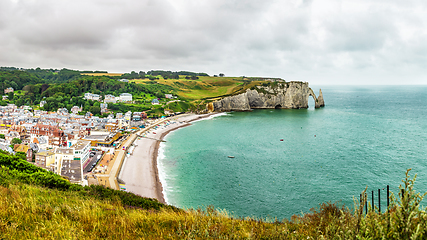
(388, 196)
(379, 200)
(373, 208)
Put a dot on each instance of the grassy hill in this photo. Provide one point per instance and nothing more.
(36, 204)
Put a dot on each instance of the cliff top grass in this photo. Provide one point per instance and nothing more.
(36, 204)
(207, 87)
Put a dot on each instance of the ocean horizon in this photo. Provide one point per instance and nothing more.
(287, 161)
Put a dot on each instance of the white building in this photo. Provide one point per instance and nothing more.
(42, 103)
(109, 98)
(8, 90)
(92, 96)
(128, 115)
(126, 97)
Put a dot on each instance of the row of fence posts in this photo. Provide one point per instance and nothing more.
(379, 200)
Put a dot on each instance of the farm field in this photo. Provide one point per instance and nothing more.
(103, 74)
(203, 88)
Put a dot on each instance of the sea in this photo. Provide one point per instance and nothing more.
(274, 163)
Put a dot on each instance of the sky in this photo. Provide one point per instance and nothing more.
(361, 42)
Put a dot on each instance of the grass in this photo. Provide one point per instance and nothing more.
(103, 74)
(202, 88)
(29, 210)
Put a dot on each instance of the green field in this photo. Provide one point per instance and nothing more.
(202, 88)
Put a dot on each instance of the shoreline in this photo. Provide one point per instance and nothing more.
(141, 171)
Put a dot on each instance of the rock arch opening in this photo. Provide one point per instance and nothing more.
(278, 106)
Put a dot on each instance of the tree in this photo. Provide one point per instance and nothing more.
(16, 141)
(95, 110)
(2, 136)
(221, 74)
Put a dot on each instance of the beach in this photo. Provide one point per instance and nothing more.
(139, 172)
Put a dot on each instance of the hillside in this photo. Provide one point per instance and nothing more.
(37, 204)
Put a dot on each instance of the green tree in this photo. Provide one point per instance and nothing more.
(2, 136)
(16, 141)
(10, 96)
(96, 110)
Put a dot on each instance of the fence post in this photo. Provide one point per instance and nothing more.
(388, 196)
(372, 200)
(379, 200)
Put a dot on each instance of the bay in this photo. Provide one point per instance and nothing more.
(364, 136)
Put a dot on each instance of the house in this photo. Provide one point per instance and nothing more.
(126, 97)
(155, 102)
(8, 90)
(123, 80)
(103, 107)
(76, 109)
(45, 159)
(169, 96)
(92, 96)
(25, 149)
(109, 98)
(128, 115)
(5, 147)
(42, 103)
(11, 135)
(4, 97)
(55, 135)
(42, 142)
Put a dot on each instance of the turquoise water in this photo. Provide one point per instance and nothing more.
(365, 136)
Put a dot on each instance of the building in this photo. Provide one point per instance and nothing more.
(42, 103)
(103, 107)
(155, 102)
(109, 98)
(92, 96)
(45, 159)
(128, 115)
(55, 135)
(169, 96)
(103, 140)
(25, 149)
(126, 97)
(81, 151)
(8, 90)
(42, 142)
(124, 80)
(76, 109)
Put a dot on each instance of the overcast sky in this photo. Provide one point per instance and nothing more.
(322, 42)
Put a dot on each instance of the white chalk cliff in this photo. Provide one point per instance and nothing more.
(291, 95)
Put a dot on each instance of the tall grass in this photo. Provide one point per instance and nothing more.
(31, 210)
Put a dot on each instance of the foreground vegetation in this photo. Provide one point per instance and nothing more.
(35, 203)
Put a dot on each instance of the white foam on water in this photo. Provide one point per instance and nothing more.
(161, 170)
(212, 116)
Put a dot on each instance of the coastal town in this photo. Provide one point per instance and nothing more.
(84, 149)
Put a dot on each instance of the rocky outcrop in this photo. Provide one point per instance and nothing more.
(269, 95)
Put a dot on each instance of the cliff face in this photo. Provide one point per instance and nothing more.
(269, 95)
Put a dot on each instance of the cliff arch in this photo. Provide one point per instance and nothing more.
(318, 101)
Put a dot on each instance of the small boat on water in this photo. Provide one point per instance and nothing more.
(230, 156)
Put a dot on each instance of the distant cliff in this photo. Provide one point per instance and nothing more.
(276, 94)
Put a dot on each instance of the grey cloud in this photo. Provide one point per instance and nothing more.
(288, 39)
